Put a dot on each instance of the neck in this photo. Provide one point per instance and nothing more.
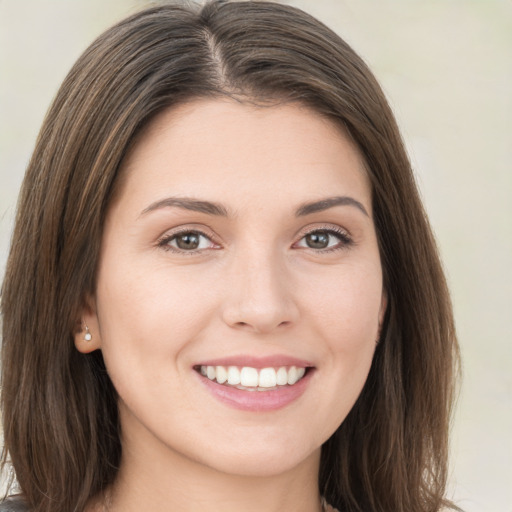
(189, 488)
(178, 483)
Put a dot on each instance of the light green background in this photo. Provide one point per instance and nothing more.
(446, 66)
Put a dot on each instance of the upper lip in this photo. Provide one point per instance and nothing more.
(275, 361)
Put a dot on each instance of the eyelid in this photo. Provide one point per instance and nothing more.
(163, 240)
(333, 229)
(311, 228)
(343, 234)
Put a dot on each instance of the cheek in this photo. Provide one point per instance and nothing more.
(343, 319)
(147, 320)
(345, 307)
(148, 299)
(146, 317)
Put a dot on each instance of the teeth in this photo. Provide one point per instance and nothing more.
(268, 378)
(233, 375)
(282, 377)
(210, 372)
(221, 374)
(248, 377)
(292, 375)
(295, 374)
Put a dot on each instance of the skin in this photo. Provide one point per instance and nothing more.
(253, 287)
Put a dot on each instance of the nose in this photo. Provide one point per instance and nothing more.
(259, 295)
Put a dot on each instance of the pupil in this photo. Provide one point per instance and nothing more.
(318, 240)
(188, 241)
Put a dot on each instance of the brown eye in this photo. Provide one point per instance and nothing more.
(187, 241)
(325, 240)
(318, 240)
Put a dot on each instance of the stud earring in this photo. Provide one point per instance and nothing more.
(87, 335)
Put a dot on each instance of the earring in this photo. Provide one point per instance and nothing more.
(87, 335)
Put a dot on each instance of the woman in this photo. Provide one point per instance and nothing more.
(222, 290)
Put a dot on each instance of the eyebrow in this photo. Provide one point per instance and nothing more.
(212, 208)
(188, 204)
(330, 202)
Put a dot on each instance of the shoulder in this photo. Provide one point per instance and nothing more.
(327, 508)
(14, 504)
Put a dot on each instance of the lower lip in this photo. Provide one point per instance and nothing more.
(257, 401)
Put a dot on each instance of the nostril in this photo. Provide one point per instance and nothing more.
(261, 327)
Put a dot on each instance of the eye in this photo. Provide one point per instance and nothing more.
(325, 240)
(186, 241)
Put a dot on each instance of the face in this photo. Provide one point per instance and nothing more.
(239, 291)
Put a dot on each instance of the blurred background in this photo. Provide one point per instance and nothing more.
(446, 67)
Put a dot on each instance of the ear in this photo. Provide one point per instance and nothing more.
(87, 332)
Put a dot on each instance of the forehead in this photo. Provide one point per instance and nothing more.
(218, 147)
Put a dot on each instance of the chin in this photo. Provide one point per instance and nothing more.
(263, 458)
(258, 466)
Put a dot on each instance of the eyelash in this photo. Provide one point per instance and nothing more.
(345, 241)
(167, 239)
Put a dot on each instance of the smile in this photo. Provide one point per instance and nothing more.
(256, 384)
(253, 379)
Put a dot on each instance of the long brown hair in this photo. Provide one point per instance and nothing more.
(60, 417)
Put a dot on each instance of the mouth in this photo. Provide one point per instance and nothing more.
(256, 385)
(248, 378)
